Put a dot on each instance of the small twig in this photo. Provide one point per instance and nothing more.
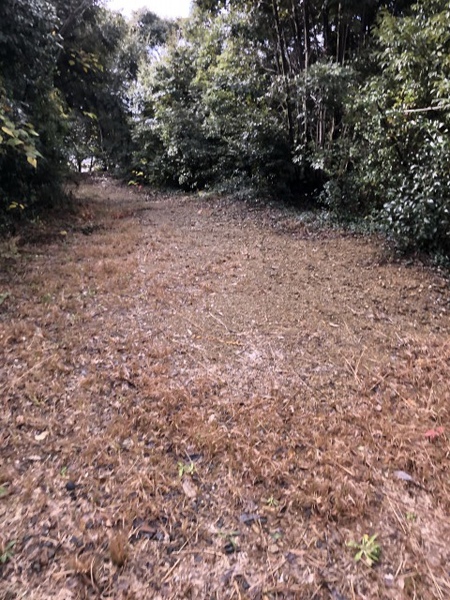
(336, 464)
(15, 381)
(277, 567)
(208, 552)
(219, 321)
(359, 362)
(436, 585)
(177, 562)
(399, 519)
(91, 572)
(236, 587)
(170, 571)
(271, 573)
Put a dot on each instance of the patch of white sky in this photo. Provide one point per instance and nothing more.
(169, 9)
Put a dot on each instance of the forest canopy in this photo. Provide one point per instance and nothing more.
(338, 104)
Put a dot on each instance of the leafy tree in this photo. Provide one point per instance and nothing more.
(207, 113)
(95, 70)
(151, 31)
(29, 107)
(400, 152)
(265, 85)
(65, 73)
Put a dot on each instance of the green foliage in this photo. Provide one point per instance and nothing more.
(206, 119)
(150, 30)
(398, 155)
(7, 552)
(283, 98)
(368, 550)
(185, 469)
(28, 48)
(65, 71)
(21, 139)
(96, 67)
(253, 96)
(418, 208)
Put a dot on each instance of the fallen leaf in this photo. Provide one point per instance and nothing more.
(249, 518)
(40, 437)
(189, 489)
(432, 434)
(403, 476)
(118, 549)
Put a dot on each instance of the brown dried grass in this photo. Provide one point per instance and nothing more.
(203, 402)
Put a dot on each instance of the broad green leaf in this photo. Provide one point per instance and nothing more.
(8, 131)
(14, 142)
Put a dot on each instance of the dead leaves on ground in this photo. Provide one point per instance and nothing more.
(195, 405)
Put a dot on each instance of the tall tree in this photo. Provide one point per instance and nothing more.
(95, 69)
(30, 110)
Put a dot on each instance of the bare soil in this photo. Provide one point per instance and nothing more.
(201, 399)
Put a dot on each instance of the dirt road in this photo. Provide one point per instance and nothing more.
(206, 400)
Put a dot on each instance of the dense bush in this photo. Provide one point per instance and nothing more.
(206, 119)
(396, 150)
(28, 51)
(65, 68)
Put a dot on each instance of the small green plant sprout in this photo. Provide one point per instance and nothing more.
(185, 469)
(3, 297)
(411, 516)
(3, 491)
(277, 535)
(272, 502)
(369, 551)
(231, 542)
(63, 471)
(6, 553)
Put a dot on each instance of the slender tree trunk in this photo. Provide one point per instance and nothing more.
(344, 42)
(306, 32)
(298, 36)
(339, 33)
(281, 48)
(326, 29)
(280, 39)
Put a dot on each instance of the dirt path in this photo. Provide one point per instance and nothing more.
(205, 401)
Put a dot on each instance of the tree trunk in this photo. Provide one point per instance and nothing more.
(306, 31)
(284, 63)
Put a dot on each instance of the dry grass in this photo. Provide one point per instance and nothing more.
(200, 402)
